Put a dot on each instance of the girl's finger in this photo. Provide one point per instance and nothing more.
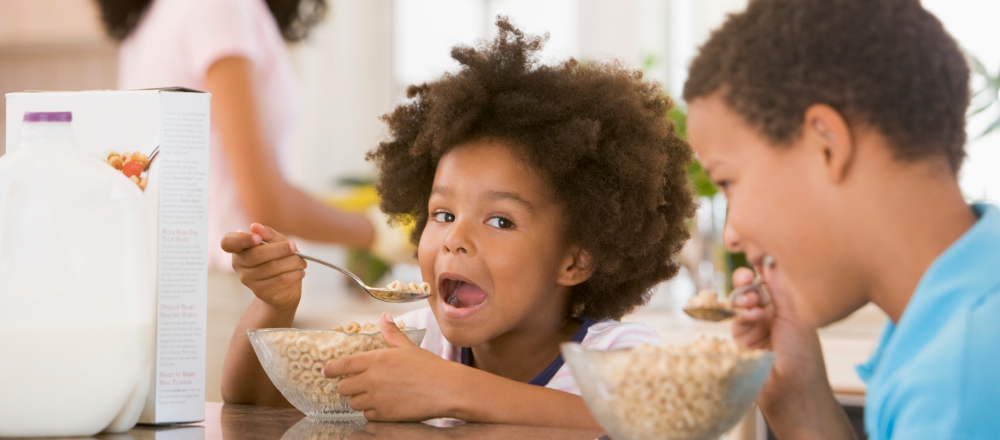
(235, 242)
(360, 402)
(353, 364)
(258, 255)
(269, 235)
(276, 283)
(274, 268)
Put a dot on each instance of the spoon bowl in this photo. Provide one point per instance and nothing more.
(716, 314)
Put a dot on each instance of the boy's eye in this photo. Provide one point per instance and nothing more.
(500, 222)
(444, 217)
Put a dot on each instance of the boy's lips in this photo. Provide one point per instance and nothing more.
(458, 292)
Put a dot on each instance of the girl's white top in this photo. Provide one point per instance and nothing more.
(602, 335)
(175, 44)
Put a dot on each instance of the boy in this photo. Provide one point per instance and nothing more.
(836, 129)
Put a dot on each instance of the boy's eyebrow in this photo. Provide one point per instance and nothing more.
(500, 195)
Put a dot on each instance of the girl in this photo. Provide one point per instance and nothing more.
(548, 200)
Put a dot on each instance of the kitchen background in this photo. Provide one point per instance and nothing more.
(356, 64)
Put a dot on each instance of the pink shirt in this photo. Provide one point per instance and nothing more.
(175, 44)
(603, 335)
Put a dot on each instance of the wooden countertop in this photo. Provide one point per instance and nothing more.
(247, 422)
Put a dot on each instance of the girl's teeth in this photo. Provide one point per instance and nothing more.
(452, 301)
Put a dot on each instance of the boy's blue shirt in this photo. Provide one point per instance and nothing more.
(936, 375)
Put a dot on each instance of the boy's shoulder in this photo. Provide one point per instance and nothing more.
(950, 387)
(614, 335)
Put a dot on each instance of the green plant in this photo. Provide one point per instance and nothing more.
(988, 96)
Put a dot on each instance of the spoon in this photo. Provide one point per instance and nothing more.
(719, 313)
(387, 295)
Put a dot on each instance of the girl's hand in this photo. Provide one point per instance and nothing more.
(271, 271)
(796, 398)
(401, 383)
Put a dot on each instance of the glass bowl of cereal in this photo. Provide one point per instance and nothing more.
(693, 392)
(294, 358)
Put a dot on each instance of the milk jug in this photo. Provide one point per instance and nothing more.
(76, 288)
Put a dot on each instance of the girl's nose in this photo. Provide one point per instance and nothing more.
(457, 239)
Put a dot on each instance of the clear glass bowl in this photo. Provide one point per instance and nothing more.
(294, 360)
(645, 394)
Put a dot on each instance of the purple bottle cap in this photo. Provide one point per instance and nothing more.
(48, 116)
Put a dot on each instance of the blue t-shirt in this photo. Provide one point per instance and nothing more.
(936, 374)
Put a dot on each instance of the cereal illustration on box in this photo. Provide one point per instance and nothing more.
(132, 165)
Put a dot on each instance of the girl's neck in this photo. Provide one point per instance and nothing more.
(524, 352)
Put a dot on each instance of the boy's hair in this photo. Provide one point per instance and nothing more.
(888, 64)
(595, 132)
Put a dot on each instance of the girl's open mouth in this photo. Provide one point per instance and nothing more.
(461, 294)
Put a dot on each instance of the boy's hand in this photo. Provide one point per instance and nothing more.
(797, 392)
(271, 271)
(401, 383)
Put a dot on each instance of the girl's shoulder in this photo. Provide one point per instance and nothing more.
(614, 335)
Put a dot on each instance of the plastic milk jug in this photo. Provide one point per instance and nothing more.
(76, 288)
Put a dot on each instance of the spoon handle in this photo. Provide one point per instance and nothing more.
(756, 285)
(331, 266)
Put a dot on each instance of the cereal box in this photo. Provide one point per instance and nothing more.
(159, 139)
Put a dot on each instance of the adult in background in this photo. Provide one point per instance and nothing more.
(235, 50)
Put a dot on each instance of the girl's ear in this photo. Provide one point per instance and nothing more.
(575, 267)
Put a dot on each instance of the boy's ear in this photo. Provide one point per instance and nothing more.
(828, 133)
(575, 268)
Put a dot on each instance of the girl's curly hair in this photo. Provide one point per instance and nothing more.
(596, 132)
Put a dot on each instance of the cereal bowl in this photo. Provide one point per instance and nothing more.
(672, 393)
(294, 360)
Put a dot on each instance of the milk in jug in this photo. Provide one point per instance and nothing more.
(76, 288)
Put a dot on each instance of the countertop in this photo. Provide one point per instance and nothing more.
(247, 422)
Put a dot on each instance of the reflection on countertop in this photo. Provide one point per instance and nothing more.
(248, 422)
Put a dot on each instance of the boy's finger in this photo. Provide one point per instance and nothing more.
(264, 253)
(394, 337)
(750, 328)
(747, 300)
(742, 276)
(234, 242)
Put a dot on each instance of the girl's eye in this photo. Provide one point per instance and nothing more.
(722, 184)
(500, 222)
(444, 217)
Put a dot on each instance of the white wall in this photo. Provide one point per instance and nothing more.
(345, 71)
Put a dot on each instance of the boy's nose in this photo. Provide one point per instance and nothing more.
(730, 238)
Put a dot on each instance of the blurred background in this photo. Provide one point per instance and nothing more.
(355, 65)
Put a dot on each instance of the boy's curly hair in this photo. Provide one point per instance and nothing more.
(596, 132)
(889, 64)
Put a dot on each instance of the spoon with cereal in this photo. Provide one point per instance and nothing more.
(706, 305)
(395, 292)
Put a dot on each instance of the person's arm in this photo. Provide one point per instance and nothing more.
(407, 383)
(796, 399)
(274, 274)
(264, 194)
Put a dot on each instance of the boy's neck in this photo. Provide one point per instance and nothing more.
(915, 211)
(524, 352)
